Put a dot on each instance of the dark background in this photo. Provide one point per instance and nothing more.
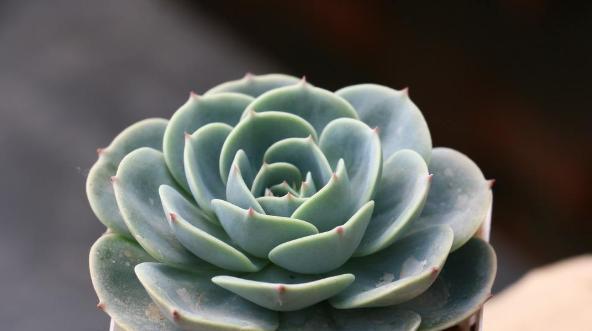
(507, 82)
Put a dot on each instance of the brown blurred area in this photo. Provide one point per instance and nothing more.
(506, 82)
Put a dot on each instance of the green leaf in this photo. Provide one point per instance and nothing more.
(359, 146)
(400, 198)
(112, 260)
(397, 274)
(254, 85)
(280, 290)
(203, 238)
(401, 124)
(325, 251)
(282, 189)
(459, 196)
(192, 302)
(280, 206)
(255, 133)
(313, 318)
(304, 154)
(146, 133)
(202, 153)
(274, 173)
(376, 319)
(258, 233)
(136, 185)
(316, 105)
(237, 191)
(332, 205)
(461, 289)
(307, 187)
(195, 113)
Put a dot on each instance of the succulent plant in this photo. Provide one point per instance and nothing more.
(270, 204)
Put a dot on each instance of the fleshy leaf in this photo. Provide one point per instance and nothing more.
(195, 113)
(237, 191)
(325, 251)
(459, 196)
(192, 302)
(308, 187)
(282, 189)
(313, 318)
(316, 105)
(280, 206)
(254, 85)
(331, 206)
(112, 260)
(136, 185)
(401, 124)
(280, 290)
(401, 272)
(399, 200)
(146, 133)
(359, 146)
(201, 156)
(258, 233)
(274, 173)
(304, 154)
(375, 319)
(204, 239)
(255, 133)
(461, 289)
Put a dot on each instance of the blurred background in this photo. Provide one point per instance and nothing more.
(507, 82)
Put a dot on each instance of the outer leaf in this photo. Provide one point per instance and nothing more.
(201, 156)
(462, 288)
(257, 233)
(401, 124)
(112, 260)
(195, 113)
(204, 239)
(192, 302)
(280, 206)
(304, 154)
(325, 251)
(146, 133)
(376, 319)
(280, 290)
(317, 106)
(313, 318)
(254, 85)
(359, 147)
(459, 196)
(332, 205)
(397, 274)
(139, 175)
(400, 198)
(257, 132)
(274, 173)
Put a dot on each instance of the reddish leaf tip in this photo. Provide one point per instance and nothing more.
(113, 179)
(491, 183)
(339, 230)
(250, 211)
(173, 217)
(193, 95)
(176, 315)
(100, 151)
(101, 306)
(281, 288)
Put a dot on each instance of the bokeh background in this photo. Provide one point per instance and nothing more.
(508, 82)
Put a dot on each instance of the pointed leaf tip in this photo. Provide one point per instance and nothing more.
(193, 95)
(491, 183)
(100, 151)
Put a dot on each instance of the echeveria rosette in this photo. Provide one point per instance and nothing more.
(271, 204)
